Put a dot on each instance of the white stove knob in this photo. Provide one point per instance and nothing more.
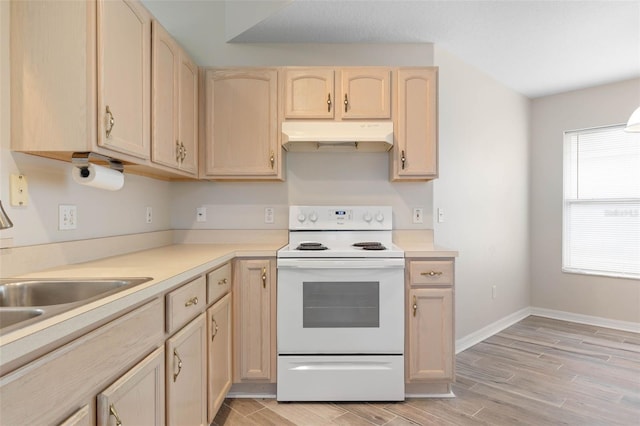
(380, 217)
(313, 216)
(367, 217)
(302, 217)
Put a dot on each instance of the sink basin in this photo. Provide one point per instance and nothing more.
(56, 292)
(10, 316)
(24, 301)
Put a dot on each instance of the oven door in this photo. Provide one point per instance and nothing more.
(340, 306)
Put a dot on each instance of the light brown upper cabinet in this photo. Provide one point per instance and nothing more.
(341, 93)
(242, 139)
(80, 78)
(174, 105)
(415, 151)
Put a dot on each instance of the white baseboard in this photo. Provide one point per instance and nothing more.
(485, 332)
(497, 326)
(633, 327)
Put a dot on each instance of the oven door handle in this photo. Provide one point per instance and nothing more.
(340, 263)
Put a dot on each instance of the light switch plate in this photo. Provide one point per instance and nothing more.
(418, 213)
(19, 191)
(201, 214)
(268, 215)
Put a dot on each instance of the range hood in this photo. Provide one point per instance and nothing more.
(332, 136)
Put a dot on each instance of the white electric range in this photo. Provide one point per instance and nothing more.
(340, 309)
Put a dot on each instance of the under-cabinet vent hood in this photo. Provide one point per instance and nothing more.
(331, 136)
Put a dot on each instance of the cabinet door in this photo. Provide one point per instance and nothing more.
(166, 54)
(219, 354)
(188, 114)
(430, 334)
(137, 398)
(186, 375)
(124, 59)
(242, 136)
(415, 154)
(365, 93)
(254, 321)
(309, 93)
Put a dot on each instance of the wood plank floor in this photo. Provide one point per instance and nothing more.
(539, 371)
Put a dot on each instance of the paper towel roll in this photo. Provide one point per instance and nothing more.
(98, 177)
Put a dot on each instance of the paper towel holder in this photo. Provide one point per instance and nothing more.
(81, 160)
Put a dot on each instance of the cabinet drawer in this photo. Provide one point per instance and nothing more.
(218, 283)
(185, 303)
(431, 272)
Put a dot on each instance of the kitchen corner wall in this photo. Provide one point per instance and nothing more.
(606, 297)
(483, 189)
(100, 213)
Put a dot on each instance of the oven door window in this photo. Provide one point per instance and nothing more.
(341, 304)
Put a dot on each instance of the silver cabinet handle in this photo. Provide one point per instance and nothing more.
(403, 159)
(329, 102)
(415, 306)
(222, 281)
(264, 277)
(114, 413)
(432, 273)
(214, 325)
(346, 102)
(175, 355)
(110, 122)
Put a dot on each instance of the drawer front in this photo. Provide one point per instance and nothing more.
(185, 303)
(437, 272)
(218, 283)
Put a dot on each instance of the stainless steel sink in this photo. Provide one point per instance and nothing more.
(23, 302)
(11, 316)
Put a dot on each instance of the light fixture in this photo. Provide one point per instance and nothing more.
(5, 222)
(633, 125)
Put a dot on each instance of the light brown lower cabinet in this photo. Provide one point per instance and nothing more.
(429, 352)
(186, 375)
(254, 319)
(219, 354)
(137, 398)
(55, 387)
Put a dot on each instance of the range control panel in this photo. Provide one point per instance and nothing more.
(329, 218)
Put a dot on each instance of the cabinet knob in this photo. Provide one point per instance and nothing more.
(192, 301)
(346, 102)
(272, 159)
(178, 151)
(415, 306)
(264, 277)
(403, 159)
(222, 281)
(329, 102)
(183, 152)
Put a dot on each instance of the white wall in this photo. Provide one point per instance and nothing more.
(612, 298)
(100, 213)
(483, 189)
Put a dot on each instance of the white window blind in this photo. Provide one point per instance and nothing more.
(601, 232)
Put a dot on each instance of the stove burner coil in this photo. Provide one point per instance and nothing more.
(311, 246)
(370, 245)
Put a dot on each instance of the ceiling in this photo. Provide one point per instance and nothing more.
(535, 47)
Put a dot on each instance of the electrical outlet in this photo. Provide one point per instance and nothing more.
(440, 215)
(149, 215)
(418, 215)
(67, 217)
(268, 215)
(201, 214)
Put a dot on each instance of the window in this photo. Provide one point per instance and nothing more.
(601, 217)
